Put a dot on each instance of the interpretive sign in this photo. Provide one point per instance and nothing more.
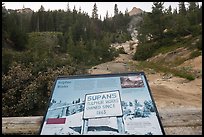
(107, 104)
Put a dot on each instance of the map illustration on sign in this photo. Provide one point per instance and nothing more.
(108, 104)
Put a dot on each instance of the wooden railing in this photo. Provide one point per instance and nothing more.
(175, 122)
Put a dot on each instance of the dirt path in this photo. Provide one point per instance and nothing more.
(119, 65)
(174, 94)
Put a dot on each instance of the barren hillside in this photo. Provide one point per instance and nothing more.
(169, 92)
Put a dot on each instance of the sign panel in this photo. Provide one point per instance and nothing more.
(102, 105)
(108, 104)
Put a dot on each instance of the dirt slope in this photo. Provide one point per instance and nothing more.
(171, 93)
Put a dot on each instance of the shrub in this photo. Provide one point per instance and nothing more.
(121, 50)
(199, 44)
(13, 84)
(194, 54)
(7, 58)
(144, 51)
(25, 94)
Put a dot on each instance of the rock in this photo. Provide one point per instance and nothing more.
(135, 11)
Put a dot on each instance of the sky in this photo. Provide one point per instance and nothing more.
(87, 7)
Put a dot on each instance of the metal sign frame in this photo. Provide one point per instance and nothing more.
(63, 112)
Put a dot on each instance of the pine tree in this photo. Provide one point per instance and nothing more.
(41, 8)
(192, 6)
(115, 10)
(107, 15)
(157, 16)
(68, 9)
(79, 10)
(70, 42)
(126, 11)
(181, 22)
(4, 25)
(169, 10)
(94, 12)
(175, 11)
(182, 8)
(74, 10)
(193, 13)
(200, 14)
(157, 7)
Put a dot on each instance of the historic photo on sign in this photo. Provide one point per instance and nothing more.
(131, 82)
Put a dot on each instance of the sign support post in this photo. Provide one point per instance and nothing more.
(120, 123)
(84, 128)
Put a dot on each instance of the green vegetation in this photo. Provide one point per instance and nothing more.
(39, 46)
(195, 53)
(163, 30)
(121, 50)
(161, 67)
